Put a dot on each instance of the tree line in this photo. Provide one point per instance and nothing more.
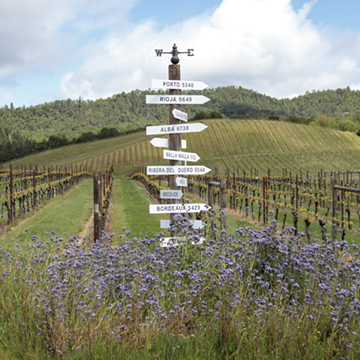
(14, 144)
(128, 111)
(27, 130)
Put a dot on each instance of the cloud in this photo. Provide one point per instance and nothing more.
(264, 45)
(37, 34)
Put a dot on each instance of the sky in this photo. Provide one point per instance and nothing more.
(60, 49)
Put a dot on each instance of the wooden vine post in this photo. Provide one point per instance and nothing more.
(334, 209)
(223, 204)
(97, 205)
(11, 193)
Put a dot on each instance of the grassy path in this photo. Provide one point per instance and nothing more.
(66, 215)
(131, 209)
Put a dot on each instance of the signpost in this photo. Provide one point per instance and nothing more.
(176, 99)
(196, 224)
(178, 84)
(177, 241)
(181, 182)
(177, 170)
(175, 129)
(180, 115)
(179, 155)
(159, 142)
(171, 194)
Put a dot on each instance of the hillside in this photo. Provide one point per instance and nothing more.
(128, 111)
(229, 145)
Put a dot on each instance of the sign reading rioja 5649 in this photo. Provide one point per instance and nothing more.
(176, 99)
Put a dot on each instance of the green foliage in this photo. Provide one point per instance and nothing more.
(14, 145)
(200, 115)
(257, 116)
(128, 111)
(300, 120)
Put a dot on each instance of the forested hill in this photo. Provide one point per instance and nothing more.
(127, 111)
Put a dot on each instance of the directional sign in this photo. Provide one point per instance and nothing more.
(171, 194)
(179, 155)
(175, 241)
(159, 142)
(177, 170)
(181, 181)
(196, 224)
(176, 99)
(175, 129)
(177, 208)
(178, 84)
(183, 116)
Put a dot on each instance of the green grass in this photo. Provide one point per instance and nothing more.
(131, 210)
(66, 215)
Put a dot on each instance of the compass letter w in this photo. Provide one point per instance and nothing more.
(158, 52)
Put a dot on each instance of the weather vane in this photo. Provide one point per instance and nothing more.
(175, 58)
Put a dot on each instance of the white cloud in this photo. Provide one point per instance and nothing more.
(260, 44)
(264, 45)
(39, 33)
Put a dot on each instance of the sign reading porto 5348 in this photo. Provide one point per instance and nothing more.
(178, 84)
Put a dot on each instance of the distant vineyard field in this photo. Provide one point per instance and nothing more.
(228, 145)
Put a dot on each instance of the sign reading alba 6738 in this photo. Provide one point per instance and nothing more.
(175, 129)
(177, 208)
(177, 170)
(176, 99)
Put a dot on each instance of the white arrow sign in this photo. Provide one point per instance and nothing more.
(183, 116)
(181, 181)
(176, 99)
(175, 129)
(179, 155)
(177, 208)
(196, 224)
(159, 142)
(171, 194)
(171, 241)
(177, 170)
(178, 84)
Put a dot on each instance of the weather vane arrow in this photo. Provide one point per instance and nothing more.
(175, 58)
